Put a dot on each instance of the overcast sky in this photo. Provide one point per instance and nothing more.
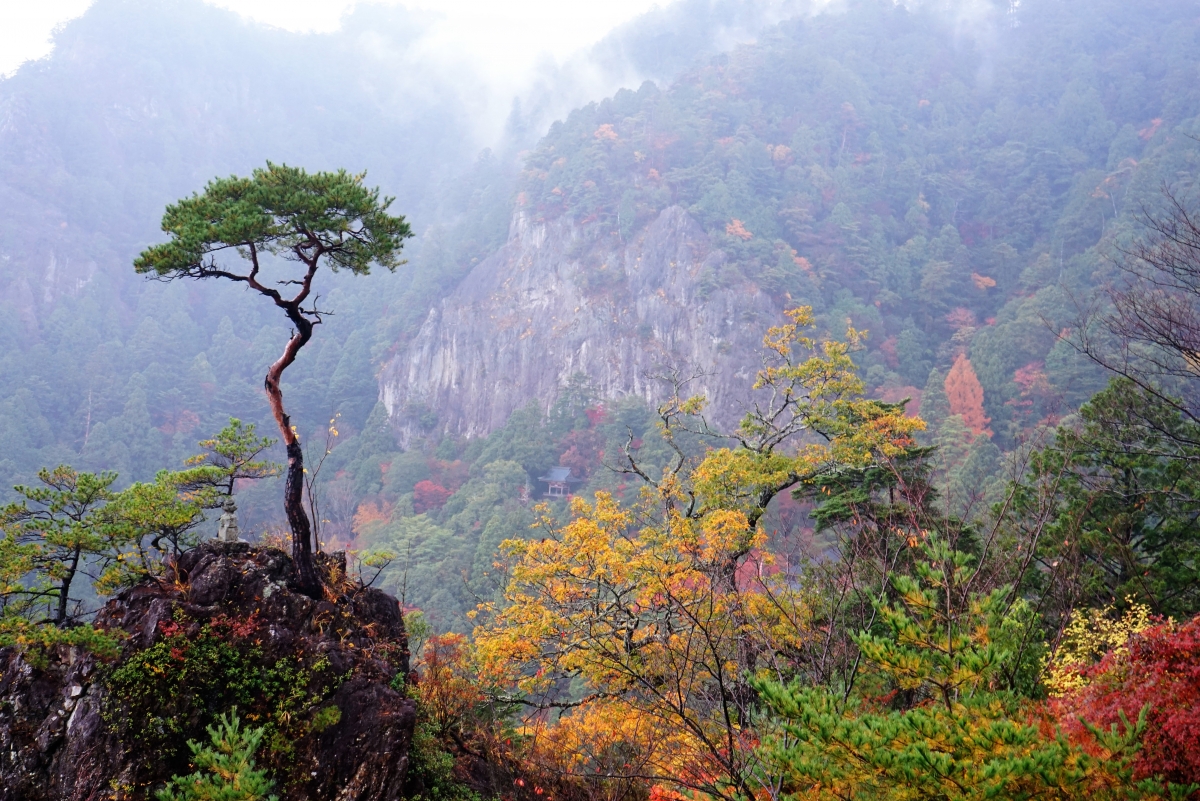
(506, 36)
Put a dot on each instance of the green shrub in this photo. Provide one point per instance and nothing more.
(171, 690)
(225, 769)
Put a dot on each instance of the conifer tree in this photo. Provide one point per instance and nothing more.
(232, 455)
(935, 407)
(225, 769)
(281, 211)
(56, 526)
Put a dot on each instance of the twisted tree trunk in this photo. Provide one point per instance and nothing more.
(293, 488)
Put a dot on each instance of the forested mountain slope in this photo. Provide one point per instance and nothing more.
(143, 102)
(956, 535)
(944, 182)
(950, 182)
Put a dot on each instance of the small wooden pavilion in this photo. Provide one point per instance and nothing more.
(558, 482)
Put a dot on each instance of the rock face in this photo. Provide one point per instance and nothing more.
(559, 299)
(65, 732)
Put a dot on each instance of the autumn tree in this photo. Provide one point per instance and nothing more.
(965, 394)
(305, 221)
(1155, 667)
(647, 620)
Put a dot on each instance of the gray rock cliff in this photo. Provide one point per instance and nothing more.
(560, 299)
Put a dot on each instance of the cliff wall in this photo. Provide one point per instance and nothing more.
(560, 299)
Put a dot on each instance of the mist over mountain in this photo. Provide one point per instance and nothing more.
(884, 164)
(142, 103)
(775, 399)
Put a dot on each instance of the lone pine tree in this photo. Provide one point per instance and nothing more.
(304, 219)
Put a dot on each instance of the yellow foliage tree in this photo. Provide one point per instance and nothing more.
(1087, 638)
(645, 623)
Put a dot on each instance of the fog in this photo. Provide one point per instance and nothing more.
(547, 56)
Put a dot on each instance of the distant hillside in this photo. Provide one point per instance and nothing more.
(140, 104)
(946, 182)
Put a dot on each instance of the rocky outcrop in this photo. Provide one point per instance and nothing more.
(320, 674)
(559, 299)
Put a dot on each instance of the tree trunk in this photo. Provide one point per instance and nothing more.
(293, 488)
(64, 592)
(293, 504)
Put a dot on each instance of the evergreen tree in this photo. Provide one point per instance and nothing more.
(224, 769)
(950, 735)
(305, 219)
(1120, 479)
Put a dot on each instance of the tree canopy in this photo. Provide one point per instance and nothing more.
(282, 210)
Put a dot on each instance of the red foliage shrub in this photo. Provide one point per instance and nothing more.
(596, 415)
(581, 452)
(427, 495)
(1160, 669)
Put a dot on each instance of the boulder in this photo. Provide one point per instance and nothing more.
(74, 728)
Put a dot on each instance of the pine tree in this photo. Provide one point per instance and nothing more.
(954, 736)
(935, 408)
(225, 769)
(323, 219)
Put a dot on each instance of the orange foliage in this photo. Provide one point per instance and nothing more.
(370, 512)
(983, 281)
(605, 133)
(736, 228)
(447, 690)
(961, 317)
(965, 395)
(428, 495)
